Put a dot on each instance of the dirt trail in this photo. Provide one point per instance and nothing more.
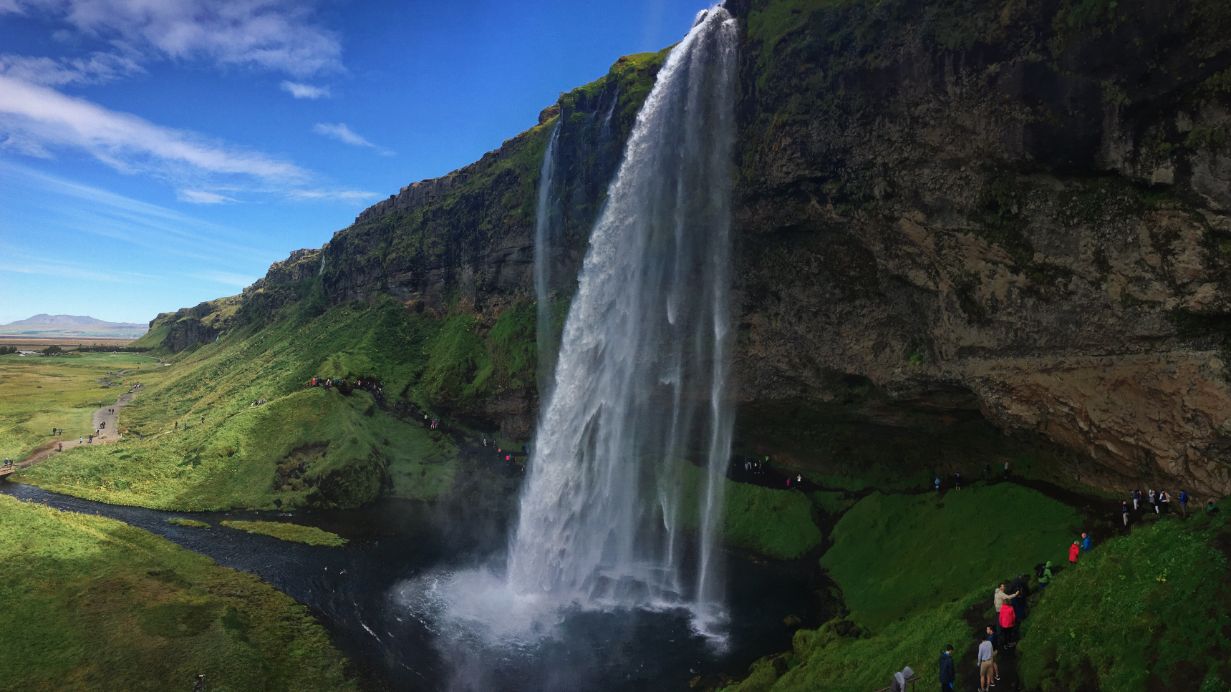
(105, 420)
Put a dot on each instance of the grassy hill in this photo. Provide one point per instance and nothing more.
(168, 614)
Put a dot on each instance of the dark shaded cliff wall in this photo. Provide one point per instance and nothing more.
(1025, 200)
(1014, 210)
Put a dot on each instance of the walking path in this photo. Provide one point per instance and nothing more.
(109, 414)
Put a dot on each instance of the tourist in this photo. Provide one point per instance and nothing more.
(1124, 513)
(948, 676)
(788, 482)
(900, 679)
(1152, 498)
(1008, 622)
(990, 636)
(957, 480)
(1074, 551)
(1085, 542)
(1184, 502)
(986, 654)
(1000, 597)
(936, 482)
(1156, 501)
(59, 446)
(1164, 501)
(1045, 575)
(80, 440)
(1136, 500)
(1006, 469)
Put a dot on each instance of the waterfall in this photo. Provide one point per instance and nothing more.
(545, 222)
(641, 374)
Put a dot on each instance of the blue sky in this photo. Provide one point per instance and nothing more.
(157, 153)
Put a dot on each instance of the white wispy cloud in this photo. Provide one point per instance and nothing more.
(278, 35)
(95, 68)
(100, 212)
(31, 113)
(201, 196)
(304, 91)
(14, 260)
(342, 195)
(343, 133)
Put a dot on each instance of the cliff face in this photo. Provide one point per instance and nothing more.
(1016, 210)
(1025, 200)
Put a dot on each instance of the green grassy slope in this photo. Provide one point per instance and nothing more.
(62, 392)
(197, 440)
(168, 614)
(1147, 611)
(896, 554)
(909, 568)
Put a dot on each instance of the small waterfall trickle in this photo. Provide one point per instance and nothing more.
(545, 228)
(641, 375)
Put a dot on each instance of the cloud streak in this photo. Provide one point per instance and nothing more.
(304, 91)
(342, 133)
(95, 68)
(277, 35)
(45, 118)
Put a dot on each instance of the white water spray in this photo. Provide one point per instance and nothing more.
(640, 381)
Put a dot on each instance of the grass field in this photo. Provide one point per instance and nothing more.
(167, 614)
(1148, 611)
(286, 531)
(893, 555)
(199, 439)
(909, 567)
(37, 394)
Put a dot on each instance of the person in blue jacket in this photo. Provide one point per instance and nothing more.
(1085, 542)
(947, 675)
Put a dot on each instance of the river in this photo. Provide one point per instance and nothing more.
(358, 592)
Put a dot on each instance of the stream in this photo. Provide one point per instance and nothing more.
(359, 593)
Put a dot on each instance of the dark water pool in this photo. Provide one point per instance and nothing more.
(360, 593)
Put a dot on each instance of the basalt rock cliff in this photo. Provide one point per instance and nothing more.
(1019, 211)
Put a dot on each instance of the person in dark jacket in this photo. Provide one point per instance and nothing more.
(947, 675)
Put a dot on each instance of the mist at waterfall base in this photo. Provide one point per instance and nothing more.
(618, 529)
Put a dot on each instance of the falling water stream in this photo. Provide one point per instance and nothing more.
(640, 380)
(545, 224)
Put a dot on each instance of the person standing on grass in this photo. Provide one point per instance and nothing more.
(1164, 500)
(1136, 500)
(1000, 596)
(1124, 513)
(986, 655)
(947, 675)
(936, 482)
(1074, 551)
(1085, 542)
(1045, 575)
(1184, 502)
(1008, 623)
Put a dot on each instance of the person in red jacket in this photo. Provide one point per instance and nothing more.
(1008, 624)
(1074, 551)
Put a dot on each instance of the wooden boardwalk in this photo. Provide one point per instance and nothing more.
(7, 470)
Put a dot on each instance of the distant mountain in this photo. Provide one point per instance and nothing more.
(44, 325)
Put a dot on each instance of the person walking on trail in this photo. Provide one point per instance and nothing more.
(986, 654)
(1074, 551)
(1136, 500)
(1124, 513)
(901, 678)
(1008, 623)
(936, 483)
(1000, 596)
(1045, 575)
(1085, 542)
(990, 635)
(1164, 501)
(1152, 499)
(957, 480)
(1184, 502)
(948, 675)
